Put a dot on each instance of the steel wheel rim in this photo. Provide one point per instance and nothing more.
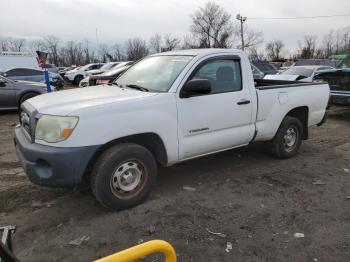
(290, 139)
(128, 179)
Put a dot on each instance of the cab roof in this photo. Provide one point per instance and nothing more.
(198, 52)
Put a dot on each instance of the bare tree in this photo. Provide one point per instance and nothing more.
(170, 43)
(51, 44)
(328, 44)
(252, 38)
(15, 44)
(274, 49)
(37, 45)
(189, 42)
(255, 54)
(117, 53)
(103, 51)
(136, 48)
(87, 52)
(307, 48)
(155, 43)
(212, 26)
(4, 45)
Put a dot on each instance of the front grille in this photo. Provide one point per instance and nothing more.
(25, 122)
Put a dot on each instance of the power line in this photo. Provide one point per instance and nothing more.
(298, 17)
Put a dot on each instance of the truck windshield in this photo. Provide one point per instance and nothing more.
(155, 73)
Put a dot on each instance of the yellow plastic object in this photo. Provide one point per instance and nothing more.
(144, 249)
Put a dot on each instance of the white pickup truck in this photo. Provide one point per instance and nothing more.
(165, 109)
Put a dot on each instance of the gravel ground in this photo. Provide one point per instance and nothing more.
(256, 201)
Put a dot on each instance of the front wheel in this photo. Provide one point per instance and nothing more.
(77, 79)
(288, 139)
(123, 176)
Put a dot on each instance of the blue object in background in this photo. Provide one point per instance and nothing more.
(47, 80)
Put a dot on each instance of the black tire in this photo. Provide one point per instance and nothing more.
(77, 79)
(283, 144)
(25, 97)
(112, 170)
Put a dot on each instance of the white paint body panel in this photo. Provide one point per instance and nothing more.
(107, 113)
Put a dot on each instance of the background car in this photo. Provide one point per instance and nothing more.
(77, 74)
(299, 73)
(265, 67)
(257, 74)
(51, 68)
(102, 69)
(63, 70)
(339, 83)
(105, 78)
(34, 75)
(14, 93)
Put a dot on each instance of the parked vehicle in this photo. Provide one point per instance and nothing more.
(298, 73)
(257, 74)
(105, 78)
(102, 69)
(167, 108)
(77, 74)
(14, 93)
(34, 75)
(339, 82)
(265, 67)
(63, 70)
(10, 60)
(51, 68)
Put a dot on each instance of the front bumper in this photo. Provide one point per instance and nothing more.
(49, 165)
(340, 97)
(69, 77)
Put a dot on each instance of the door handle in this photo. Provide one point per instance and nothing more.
(243, 102)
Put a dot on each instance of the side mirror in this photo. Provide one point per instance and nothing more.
(2, 83)
(195, 87)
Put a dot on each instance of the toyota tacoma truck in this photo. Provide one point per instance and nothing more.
(167, 108)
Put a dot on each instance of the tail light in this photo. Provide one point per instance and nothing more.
(101, 81)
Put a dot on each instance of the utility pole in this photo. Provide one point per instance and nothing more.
(242, 20)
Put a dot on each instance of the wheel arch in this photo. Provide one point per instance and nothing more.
(150, 141)
(301, 113)
(21, 95)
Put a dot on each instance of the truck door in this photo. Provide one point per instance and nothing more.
(221, 119)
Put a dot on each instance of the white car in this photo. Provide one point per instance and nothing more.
(77, 74)
(102, 69)
(105, 68)
(167, 108)
(298, 73)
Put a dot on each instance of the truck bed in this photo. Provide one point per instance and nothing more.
(278, 97)
(263, 84)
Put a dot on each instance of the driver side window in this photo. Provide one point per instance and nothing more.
(224, 75)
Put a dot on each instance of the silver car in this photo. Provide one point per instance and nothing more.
(14, 93)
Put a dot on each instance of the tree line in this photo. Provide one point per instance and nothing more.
(212, 27)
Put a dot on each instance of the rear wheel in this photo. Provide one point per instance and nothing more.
(123, 176)
(288, 139)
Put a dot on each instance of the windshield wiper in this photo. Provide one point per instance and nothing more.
(141, 88)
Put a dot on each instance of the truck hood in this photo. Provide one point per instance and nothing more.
(68, 101)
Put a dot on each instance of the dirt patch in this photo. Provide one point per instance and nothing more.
(256, 201)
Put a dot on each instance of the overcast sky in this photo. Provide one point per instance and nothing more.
(117, 20)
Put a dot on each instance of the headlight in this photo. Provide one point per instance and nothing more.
(54, 129)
